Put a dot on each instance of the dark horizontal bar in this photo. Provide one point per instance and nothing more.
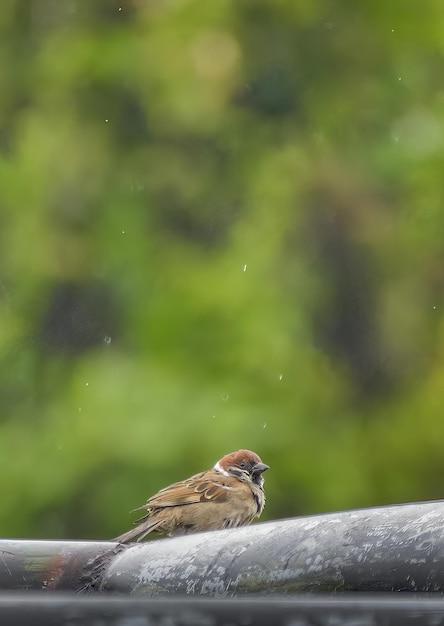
(31, 609)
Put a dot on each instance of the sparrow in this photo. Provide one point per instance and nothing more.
(228, 495)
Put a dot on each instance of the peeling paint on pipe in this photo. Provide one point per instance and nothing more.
(395, 548)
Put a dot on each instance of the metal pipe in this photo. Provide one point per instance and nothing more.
(395, 548)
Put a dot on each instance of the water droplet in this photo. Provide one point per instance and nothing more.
(281, 376)
(399, 77)
(434, 307)
(264, 425)
(225, 397)
(244, 268)
(86, 384)
(106, 121)
(107, 340)
(123, 232)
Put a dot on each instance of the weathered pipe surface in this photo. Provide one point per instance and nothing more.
(396, 548)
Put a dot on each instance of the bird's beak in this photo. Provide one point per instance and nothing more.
(259, 468)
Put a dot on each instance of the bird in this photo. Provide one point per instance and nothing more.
(228, 495)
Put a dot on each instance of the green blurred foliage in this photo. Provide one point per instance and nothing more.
(221, 227)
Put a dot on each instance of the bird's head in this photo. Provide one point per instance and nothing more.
(243, 464)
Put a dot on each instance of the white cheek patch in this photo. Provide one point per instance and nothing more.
(218, 468)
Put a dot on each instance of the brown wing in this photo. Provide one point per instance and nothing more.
(204, 487)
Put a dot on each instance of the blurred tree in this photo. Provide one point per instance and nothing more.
(221, 227)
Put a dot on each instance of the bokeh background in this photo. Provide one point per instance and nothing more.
(221, 226)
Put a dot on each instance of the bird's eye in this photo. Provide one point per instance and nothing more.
(242, 464)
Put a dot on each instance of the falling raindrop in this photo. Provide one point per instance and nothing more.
(280, 376)
(264, 425)
(244, 269)
(86, 384)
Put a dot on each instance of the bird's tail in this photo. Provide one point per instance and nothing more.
(140, 531)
